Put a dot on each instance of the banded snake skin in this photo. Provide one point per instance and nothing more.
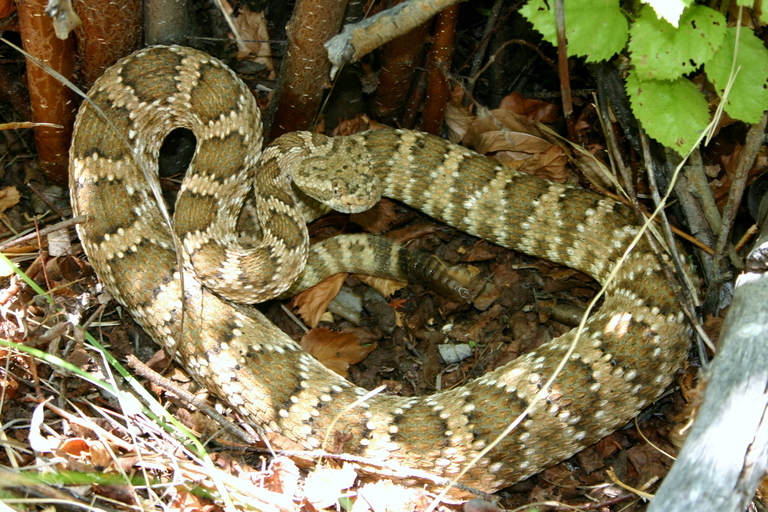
(626, 357)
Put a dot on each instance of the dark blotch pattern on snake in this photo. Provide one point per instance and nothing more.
(626, 357)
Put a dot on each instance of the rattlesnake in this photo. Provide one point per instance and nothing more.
(626, 356)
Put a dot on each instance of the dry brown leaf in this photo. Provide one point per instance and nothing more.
(386, 287)
(495, 120)
(7, 8)
(80, 451)
(590, 461)
(480, 251)
(252, 27)
(518, 146)
(549, 164)
(608, 446)
(336, 350)
(9, 197)
(594, 172)
(412, 232)
(357, 124)
(101, 457)
(283, 477)
(648, 461)
(377, 219)
(187, 502)
(160, 361)
(533, 110)
(458, 119)
(517, 142)
(313, 302)
(74, 446)
(9, 386)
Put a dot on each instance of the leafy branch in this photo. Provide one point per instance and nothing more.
(665, 48)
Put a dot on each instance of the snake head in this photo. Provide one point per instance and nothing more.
(342, 179)
(355, 195)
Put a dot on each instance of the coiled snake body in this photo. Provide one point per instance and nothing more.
(626, 357)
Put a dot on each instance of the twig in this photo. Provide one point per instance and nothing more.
(46, 230)
(386, 468)
(677, 231)
(562, 68)
(47, 201)
(696, 196)
(619, 163)
(154, 377)
(362, 38)
(96, 314)
(754, 142)
(688, 308)
(748, 235)
(477, 59)
(547, 60)
(613, 146)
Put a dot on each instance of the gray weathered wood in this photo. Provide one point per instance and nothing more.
(726, 453)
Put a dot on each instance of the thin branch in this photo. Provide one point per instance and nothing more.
(45, 231)
(754, 142)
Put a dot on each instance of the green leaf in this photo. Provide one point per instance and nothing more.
(542, 18)
(594, 29)
(748, 97)
(669, 10)
(674, 113)
(597, 29)
(662, 52)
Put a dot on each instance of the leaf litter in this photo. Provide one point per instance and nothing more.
(518, 306)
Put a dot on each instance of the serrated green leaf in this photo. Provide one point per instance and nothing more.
(674, 112)
(669, 10)
(595, 29)
(662, 52)
(748, 97)
(538, 13)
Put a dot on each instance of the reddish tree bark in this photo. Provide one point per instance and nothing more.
(6, 8)
(99, 45)
(440, 55)
(299, 92)
(52, 102)
(399, 60)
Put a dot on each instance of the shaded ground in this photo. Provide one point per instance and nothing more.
(523, 302)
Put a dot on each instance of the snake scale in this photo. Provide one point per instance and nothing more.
(626, 357)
